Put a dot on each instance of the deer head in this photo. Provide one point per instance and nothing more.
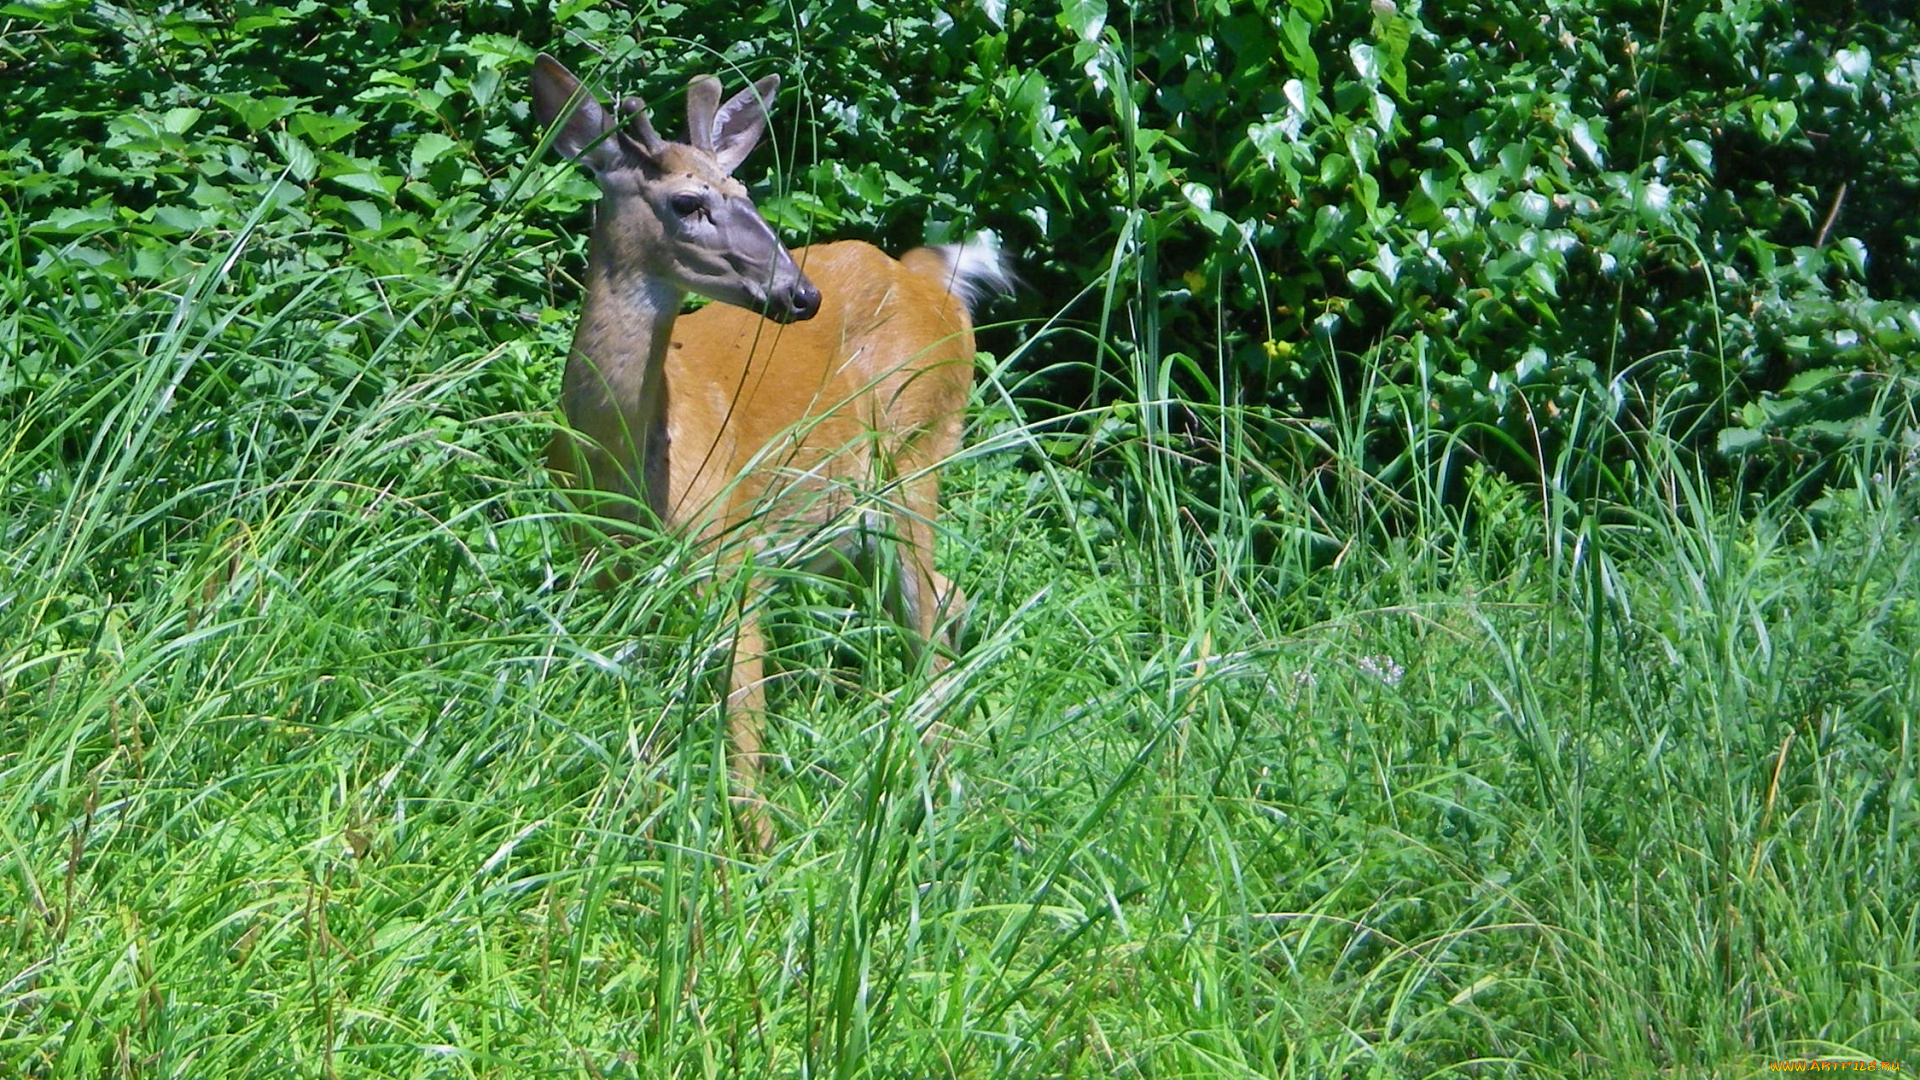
(672, 213)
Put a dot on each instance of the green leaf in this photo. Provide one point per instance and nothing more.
(182, 218)
(1851, 252)
(1814, 379)
(1366, 190)
(1774, 120)
(1483, 187)
(1086, 18)
(390, 77)
(1384, 110)
(1299, 102)
(1296, 47)
(1366, 61)
(297, 154)
(1363, 143)
(500, 47)
(388, 95)
(321, 129)
(1849, 67)
(366, 214)
(1541, 277)
(364, 182)
(1200, 198)
(1388, 264)
(1438, 187)
(1327, 221)
(181, 120)
(1271, 140)
(1532, 207)
(47, 11)
(899, 187)
(1581, 135)
(427, 149)
(1533, 361)
(1735, 441)
(247, 24)
(1654, 201)
(77, 219)
(1394, 32)
(256, 113)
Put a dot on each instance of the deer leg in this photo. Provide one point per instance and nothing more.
(746, 715)
(915, 597)
(949, 610)
(923, 600)
(927, 604)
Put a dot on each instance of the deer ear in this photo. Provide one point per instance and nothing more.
(703, 97)
(582, 123)
(738, 125)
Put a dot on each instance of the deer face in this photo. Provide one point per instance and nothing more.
(672, 212)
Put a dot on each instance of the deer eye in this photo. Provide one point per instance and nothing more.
(685, 202)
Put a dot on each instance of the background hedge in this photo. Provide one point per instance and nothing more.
(1494, 225)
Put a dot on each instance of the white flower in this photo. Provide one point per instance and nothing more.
(1383, 667)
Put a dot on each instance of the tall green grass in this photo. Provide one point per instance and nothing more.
(317, 759)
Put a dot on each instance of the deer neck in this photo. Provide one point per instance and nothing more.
(615, 387)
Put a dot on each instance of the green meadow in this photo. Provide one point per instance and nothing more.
(1306, 725)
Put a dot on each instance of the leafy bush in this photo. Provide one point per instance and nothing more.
(1493, 222)
(1514, 211)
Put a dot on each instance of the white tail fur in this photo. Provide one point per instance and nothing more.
(977, 270)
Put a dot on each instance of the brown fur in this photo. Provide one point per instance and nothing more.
(744, 432)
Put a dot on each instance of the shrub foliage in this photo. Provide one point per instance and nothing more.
(1498, 220)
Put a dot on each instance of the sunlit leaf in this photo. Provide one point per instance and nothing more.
(1085, 18)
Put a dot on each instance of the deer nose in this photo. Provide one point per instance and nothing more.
(805, 302)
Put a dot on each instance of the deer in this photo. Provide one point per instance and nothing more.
(785, 416)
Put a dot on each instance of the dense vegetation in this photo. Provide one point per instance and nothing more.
(1441, 516)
